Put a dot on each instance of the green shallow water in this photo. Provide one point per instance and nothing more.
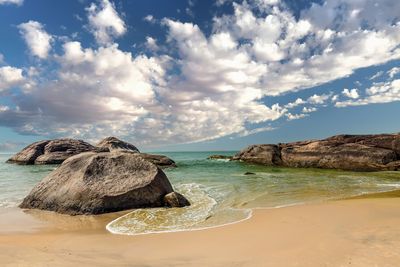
(219, 190)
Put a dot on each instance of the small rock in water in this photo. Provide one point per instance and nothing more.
(249, 173)
(175, 200)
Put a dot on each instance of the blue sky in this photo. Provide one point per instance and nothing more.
(197, 75)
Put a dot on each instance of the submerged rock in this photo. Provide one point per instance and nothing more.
(249, 173)
(94, 183)
(346, 152)
(50, 151)
(112, 143)
(175, 200)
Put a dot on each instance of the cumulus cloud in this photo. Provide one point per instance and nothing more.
(9, 77)
(151, 43)
(384, 92)
(351, 93)
(11, 2)
(104, 22)
(37, 39)
(210, 85)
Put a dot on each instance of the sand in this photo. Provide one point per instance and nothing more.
(357, 232)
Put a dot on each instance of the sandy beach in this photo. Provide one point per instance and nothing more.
(357, 232)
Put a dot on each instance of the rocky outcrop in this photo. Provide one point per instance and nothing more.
(58, 150)
(94, 183)
(51, 151)
(113, 143)
(346, 152)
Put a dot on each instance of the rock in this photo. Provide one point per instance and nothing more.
(249, 173)
(113, 143)
(260, 154)
(219, 157)
(346, 152)
(159, 160)
(175, 200)
(94, 183)
(51, 151)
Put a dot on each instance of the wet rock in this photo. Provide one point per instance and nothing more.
(249, 173)
(175, 200)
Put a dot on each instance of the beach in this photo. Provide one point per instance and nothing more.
(356, 232)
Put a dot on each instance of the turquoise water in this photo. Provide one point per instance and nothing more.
(218, 189)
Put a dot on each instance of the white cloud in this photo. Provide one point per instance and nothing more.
(296, 103)
(37, 39)
(309, 109)
(291, 116)
(149, 18)
(318, 99)
(10, 2)
(376, 75)
(9, 77)
(384, 92)
(352, 93)
(104, 22)
(151, 44)
(393, 72)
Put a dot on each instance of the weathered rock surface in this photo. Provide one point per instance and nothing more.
(346, 152)
(94, 183)
(160, 160)
(112, 143)
(219, 157)
(51, 151)
(58, 150)
(175, 200)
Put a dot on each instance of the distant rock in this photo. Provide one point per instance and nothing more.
(346, 152)
(219, 157)
(51, 151)
(113, 143)
(94, 183)
(175, 200)
(58, 150)
(160, 160)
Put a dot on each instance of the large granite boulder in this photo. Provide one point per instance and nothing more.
(94, 183)
(51, 151)
(346, 152)
(112, 143)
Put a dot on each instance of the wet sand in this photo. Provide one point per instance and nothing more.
(357, 232)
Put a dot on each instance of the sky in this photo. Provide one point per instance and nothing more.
(190, 75)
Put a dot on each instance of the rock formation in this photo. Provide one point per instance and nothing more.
(94, 183)
(50, 151)
(346, 152)
(58, 150)
(112, 143)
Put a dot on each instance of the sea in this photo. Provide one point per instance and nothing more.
(219, 191)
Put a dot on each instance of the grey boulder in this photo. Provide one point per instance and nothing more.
(50, 151)
(112, 143)
(94, 183)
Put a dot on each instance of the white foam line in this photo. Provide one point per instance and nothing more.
(250, 214)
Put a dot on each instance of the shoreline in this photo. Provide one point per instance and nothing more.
(355, 232)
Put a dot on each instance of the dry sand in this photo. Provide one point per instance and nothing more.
(358, 232)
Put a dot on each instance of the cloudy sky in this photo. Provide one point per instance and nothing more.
(197, 74)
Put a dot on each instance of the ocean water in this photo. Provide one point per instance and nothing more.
(219, 191)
